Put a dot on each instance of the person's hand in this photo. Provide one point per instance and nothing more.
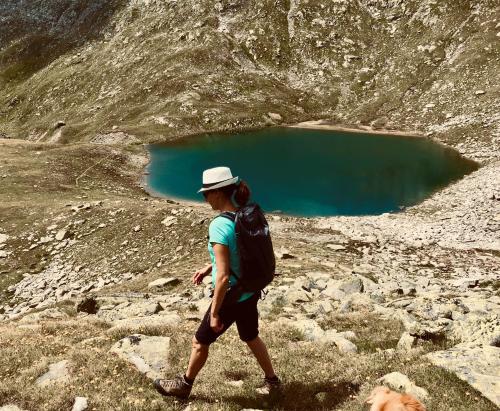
(216, 323)
(200, 274)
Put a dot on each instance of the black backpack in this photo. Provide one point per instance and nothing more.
(257, 262)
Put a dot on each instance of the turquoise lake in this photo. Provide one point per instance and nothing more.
(311, 172)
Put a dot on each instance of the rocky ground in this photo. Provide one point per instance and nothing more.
(396, 293)
(94, 272)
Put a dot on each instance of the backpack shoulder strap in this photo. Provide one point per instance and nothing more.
(229, 215)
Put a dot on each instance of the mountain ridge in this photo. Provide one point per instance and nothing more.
(162, 69)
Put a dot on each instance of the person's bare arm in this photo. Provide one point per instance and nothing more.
(221, 284)
(201, 273)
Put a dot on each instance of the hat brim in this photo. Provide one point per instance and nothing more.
(225, 183)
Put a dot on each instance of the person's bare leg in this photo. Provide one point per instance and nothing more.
(199, 355)
(260, 351)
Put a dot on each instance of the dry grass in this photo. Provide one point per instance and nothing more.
(306, 369)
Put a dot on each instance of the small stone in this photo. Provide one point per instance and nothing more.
(137, 228)
(3, 238)
(479, 92)
(169, 221)
(321, 396)
(80, 404)
(335, 247)
(62, 235)
(237, 384)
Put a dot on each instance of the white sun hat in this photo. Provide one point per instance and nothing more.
(217, 177)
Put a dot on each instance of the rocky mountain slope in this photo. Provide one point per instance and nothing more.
(93, 270)
(95, 274)
(160, 69)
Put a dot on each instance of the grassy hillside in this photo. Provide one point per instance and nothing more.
(159, 69)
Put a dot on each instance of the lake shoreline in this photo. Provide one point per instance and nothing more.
(320, 125)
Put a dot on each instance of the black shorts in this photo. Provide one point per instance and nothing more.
(245, 315)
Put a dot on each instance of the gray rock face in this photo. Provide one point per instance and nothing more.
(58, 373)
(148, 354)
(477, 327)
(479, 366)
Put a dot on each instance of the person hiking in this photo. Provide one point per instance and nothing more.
(229, 304)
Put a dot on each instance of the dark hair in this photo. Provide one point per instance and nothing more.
(240, 191)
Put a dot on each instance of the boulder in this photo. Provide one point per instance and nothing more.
(401, 382)
(309, 328)
(58, 373)
(137, 324)
(48, 314)
(3, 238)
(342, 343)
(141, 308)
(10, 407)
(477, 365)
(62, 234)
(148, 354)
(351, 286)
(406, 342)
(163, 283)
(332, 291)
(275, 116)
(298, 296)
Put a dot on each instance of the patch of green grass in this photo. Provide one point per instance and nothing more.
(372, 332)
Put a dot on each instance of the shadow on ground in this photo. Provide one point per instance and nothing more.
(298, 396)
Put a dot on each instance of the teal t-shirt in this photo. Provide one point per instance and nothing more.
(222, 231)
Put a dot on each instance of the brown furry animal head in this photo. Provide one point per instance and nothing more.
(383, 399)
